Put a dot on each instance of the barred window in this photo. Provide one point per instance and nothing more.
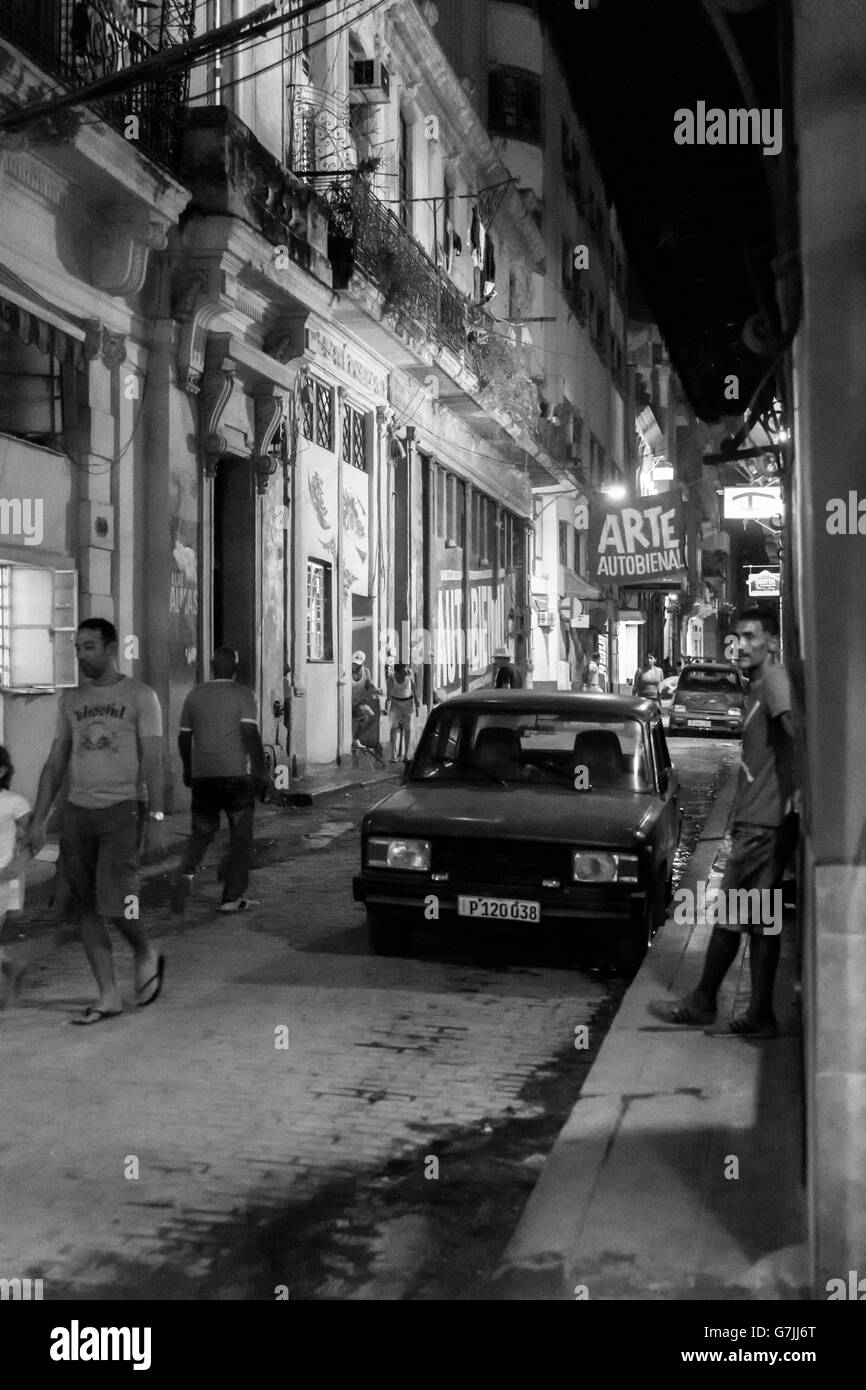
(320, 646)
(316, 414)
(38, 618)
(355, 438)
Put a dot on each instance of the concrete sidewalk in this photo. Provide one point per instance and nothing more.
(678, 1174)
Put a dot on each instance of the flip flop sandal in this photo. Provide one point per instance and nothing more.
(93, 1015)
(684, 1013)
(154, 979)
(743, 1027)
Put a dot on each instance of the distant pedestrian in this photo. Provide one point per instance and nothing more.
(224, 764)
(506, 675)
(14, 816)
(401, 702)
(648, 679)
(592, 678)
(365, 704)
(109, 739)
(763, 839)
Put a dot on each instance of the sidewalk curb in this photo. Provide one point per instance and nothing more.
(536, 1261)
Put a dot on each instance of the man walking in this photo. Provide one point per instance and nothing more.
(401, 700)
(109, 739)
(224, 763)
(506, 675)
(763, 839)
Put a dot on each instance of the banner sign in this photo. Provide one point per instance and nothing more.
(643, 540)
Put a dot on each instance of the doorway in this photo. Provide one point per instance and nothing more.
(234, 553)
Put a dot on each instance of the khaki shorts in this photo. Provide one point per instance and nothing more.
(758, 858)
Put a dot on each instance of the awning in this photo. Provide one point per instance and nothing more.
(575, 587)
(34, 320)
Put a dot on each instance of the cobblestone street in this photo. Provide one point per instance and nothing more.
(278, 1118)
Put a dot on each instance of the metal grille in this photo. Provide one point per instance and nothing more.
(324, 436)
(512, 862)
(82, 41)
(366, 235)
(354, 438)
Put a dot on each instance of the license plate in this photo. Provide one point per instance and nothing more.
(503, 909)
(700, 724)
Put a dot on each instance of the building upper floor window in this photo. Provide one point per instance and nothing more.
(320, 639)
(514, 103)
(38, 618)
(317, 414)
(563, 542)
(355, 438)
(405, 172)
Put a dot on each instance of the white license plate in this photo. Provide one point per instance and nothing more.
(700, 724)
(503, 909)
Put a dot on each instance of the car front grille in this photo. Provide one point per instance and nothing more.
(507, 862)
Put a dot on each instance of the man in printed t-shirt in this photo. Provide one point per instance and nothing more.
(109, 740)
(763, 838)
(224, 763)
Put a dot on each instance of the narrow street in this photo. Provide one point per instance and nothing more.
(295, 1114)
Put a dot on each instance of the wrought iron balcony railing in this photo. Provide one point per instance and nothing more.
(82, 41)
(365, 235)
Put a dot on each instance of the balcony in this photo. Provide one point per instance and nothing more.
(364, 235)
(81, 43)
(230, 173)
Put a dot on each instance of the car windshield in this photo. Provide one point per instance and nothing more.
(709, 680)
(524, 748)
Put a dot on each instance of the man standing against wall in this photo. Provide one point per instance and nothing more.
(224, 764)
(763, 838)
(109, 738)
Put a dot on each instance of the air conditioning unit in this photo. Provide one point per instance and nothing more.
(371, 81)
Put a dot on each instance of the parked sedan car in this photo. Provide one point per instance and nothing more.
(710, 696)
(541, 809)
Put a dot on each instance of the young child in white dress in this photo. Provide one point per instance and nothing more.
(14, 814)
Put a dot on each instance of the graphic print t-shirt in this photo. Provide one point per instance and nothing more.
(105, 724)
(213, 713)
(12, 808)
(766, 770)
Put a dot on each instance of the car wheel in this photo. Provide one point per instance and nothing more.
(635, 941)
(388, 937)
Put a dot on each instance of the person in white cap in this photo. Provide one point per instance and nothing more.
(364, 711)
(507, 676)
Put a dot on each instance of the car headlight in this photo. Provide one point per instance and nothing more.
(399, 854)
(600, 866)
(679, 709)
(735, 713)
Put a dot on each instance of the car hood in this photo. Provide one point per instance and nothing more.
(514, 813)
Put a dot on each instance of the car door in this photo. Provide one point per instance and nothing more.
(668, 778)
